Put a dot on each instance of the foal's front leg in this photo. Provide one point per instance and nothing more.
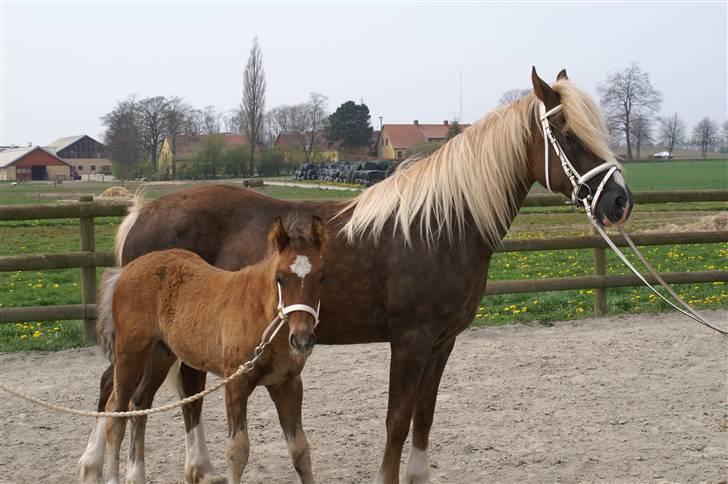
(288, 397)
(236, 403)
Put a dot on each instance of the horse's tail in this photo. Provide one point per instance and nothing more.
(127, 224)
(104, 313)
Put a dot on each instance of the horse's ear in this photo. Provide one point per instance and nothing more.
(562, 75)
(318, 229)
(278, 236)
(543, 91)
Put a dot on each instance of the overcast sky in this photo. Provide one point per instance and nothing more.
(66, 64)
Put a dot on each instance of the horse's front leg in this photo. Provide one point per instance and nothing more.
(410, 352)
(236, 404)
(288, 397)
(418, 467)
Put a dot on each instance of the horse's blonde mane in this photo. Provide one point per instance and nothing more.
(478, 173)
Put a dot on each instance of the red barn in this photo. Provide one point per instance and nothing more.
(32, 163)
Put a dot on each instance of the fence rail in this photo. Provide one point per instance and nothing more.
(87, 259)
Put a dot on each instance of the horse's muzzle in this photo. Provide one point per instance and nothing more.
(302, 344)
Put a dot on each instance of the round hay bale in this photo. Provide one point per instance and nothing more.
(116, 192)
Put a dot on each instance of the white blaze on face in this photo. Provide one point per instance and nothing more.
(301, 266)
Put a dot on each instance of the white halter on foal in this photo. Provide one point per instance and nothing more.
(282, 317)
(589, 202)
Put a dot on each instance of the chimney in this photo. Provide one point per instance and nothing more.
(417, 123)
(446, 123)
(30, 143)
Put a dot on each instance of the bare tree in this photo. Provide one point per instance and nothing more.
(123, 137)
(210, 120)
(194, 124)
(253, 105)
(289, 118)
(672, 131)
(625, 95)
(153, 118)
(316, 118)
(176, 121)
(705, 134)
(724, 132)
(231, 121)
(641, 132)
(512, 95)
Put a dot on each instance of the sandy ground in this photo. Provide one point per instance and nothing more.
(621, 399)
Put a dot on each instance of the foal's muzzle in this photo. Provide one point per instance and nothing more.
(302, 344)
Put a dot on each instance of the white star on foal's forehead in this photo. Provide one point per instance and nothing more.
(301, 266)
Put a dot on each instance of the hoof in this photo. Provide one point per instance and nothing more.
(203, 475)
(90, 474)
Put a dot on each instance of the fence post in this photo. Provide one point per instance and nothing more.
(88, 274)
(600, 269)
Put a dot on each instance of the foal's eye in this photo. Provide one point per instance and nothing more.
(571, 137)
(322, 279)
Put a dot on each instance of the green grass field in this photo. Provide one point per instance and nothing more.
(677, 175)
(63, 286)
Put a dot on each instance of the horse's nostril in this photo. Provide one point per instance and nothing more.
(620, 202)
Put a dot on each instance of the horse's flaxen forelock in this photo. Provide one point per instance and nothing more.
(479, 172)
(585, 119)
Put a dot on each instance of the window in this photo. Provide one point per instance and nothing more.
(80, 167)
(399, 155)
(106, 169)
(93, 167)
(386, 142)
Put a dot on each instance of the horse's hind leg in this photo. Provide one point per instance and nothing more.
(128, 370)
(91, 464)
(288, 397)
(187, 381)
(418, 467)
(154, 375)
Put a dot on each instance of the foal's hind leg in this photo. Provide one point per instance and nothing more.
(418, 467)
(288, 397)
(154, 375)
(91, 464)
(128, 369)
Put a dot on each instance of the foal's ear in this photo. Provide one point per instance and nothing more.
(278, 236)
(562, 75)
(543, 91)
(318, 229)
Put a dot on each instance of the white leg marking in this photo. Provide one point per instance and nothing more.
(135, 474)
(196, 447)
(91, 463)
(418, 468)
(302, 266)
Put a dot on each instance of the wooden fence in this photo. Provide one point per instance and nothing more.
(87, 259)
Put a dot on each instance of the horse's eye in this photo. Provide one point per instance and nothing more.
(322, 279)
(571, 137)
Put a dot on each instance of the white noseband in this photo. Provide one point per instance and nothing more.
(284, 311)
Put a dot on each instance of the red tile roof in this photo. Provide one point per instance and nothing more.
(408, 135)
(187, 144)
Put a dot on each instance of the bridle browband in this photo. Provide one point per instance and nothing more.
(589, 202)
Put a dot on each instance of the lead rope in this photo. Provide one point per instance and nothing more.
(281, 318)
(579, 181)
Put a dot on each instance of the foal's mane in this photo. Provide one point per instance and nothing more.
(478, 172)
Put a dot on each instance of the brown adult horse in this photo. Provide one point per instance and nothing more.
(412, 252)
(213, 321)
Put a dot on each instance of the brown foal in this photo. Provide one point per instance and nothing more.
(211, 320)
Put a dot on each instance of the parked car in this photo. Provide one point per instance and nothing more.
(665, 155)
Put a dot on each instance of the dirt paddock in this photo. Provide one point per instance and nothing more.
(622, 399)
